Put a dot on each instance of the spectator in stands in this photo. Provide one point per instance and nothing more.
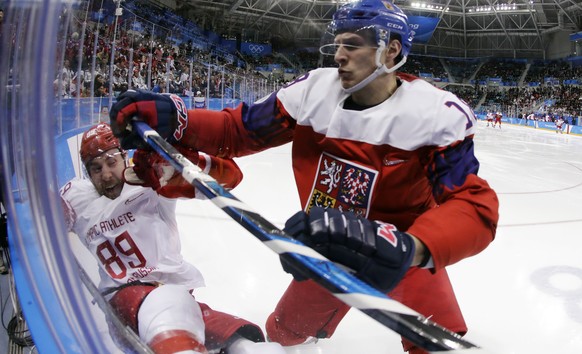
(199, 100)
(101, 86)
(159, 86)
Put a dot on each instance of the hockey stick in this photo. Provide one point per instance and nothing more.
(343, 285)
(124, 331)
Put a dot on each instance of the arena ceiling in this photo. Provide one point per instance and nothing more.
(466, 28)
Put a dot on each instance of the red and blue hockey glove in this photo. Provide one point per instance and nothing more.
(377, 252)
(167, 114)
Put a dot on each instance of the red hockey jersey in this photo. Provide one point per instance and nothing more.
(408, 161)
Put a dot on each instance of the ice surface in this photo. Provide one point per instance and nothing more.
(523, 294)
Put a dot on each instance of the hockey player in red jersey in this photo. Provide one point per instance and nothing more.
(126, 219)
(384, 152)
(498, 117)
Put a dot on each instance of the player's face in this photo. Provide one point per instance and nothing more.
(106, 172)
(356, 58)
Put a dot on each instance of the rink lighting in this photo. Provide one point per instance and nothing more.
(425, 6)
(496, 8)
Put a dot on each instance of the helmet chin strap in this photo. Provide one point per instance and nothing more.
(380, 69)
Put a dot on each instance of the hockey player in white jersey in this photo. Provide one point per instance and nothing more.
(126, 219)
(489, 117)
(559, 125)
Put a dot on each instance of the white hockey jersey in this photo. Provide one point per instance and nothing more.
(133, 237)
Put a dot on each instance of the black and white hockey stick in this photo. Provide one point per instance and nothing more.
(343, 285)
(122, 331)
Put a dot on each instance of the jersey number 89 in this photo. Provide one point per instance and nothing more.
(108, 254)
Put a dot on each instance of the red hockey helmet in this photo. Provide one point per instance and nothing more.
(97, 140)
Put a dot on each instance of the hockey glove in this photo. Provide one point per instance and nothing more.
(167, 114)
(377, 252)
(152, 170)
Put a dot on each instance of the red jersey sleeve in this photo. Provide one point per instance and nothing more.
(240, 131)
(464, 221)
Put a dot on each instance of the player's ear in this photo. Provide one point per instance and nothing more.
(393, 49)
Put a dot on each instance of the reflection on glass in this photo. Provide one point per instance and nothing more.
(62, 65)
